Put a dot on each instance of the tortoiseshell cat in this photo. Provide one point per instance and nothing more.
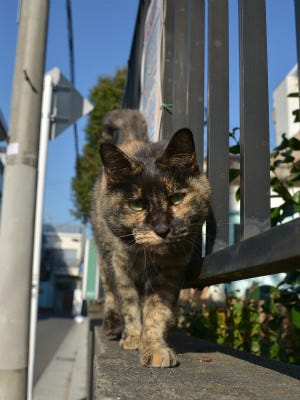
(148, 207)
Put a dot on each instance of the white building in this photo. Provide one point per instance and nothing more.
(284, 119)
(61, 266)
(283, 106)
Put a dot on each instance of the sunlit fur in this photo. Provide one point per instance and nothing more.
(149, 204)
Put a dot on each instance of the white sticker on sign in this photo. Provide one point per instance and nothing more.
(12, 149)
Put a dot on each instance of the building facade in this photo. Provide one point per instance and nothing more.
(284, 106)
(61, 267)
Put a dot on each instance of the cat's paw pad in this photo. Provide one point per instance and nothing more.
(131, 342)
(162, 357)
(112, 325)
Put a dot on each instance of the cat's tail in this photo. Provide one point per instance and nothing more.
(124, 125)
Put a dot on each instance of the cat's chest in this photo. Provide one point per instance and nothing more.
(149, 264)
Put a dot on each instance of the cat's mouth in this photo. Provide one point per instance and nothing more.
(150, 241)
(155, 244)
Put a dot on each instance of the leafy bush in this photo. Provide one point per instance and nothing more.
(284, 173)
(265, 322)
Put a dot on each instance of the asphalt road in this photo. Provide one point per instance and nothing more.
(50, 333)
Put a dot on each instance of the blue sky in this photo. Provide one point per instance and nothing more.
(103, 32)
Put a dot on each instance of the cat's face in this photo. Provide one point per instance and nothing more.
(157, 203)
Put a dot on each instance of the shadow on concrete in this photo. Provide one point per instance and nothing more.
(188, 344)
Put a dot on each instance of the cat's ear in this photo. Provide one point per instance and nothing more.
(118, 166)
(180, 152)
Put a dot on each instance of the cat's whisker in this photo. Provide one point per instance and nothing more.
(124, 236)
(153, 264)
(132, 265)
(197, 248)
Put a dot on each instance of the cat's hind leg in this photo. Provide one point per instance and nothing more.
(112, 321)
(129, 298)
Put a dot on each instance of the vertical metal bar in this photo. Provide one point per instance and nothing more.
(38, 227)
(255, 158)
(180, 66)
(195, 93)
(218, 124)
(167, 68)
(297, 24)
(195, 84)
(132, 91)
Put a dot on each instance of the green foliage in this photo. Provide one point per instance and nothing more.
(106, 96)
(266, 322)
(282, 159)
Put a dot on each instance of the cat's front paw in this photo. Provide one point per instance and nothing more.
(160, 357)
(130, 342)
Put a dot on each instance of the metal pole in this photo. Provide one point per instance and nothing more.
(42, 164)
(19, 195)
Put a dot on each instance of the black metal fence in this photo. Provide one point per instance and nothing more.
(261, 249)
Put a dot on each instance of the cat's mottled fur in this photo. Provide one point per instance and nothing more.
(148, 206)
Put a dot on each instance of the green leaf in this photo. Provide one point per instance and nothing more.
(296, 208)
(289, 159)
(291, 278)
(293, 94)
(296, 197)
(294, 143)
(235, 149)
(275, 212)
(276, 217)
(286, 153)
(277, 163)
(288, 210)
(295, 168)
(287, 156)
(284, 143)
(296, 114)
(238, 194)
(296, 178)
(283, 192)
(268, 294)
(275, 182)
(274, 154)
(295, 317)
(233, 174)
(232, 134)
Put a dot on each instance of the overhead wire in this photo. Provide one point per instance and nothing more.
(72, 64)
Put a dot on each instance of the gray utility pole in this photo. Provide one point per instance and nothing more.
(19, 194)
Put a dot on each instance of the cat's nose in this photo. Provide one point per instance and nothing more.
(161, 229)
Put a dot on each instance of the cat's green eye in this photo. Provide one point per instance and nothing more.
(177, 198)
(137, 205)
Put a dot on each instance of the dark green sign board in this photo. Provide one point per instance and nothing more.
(91, 273)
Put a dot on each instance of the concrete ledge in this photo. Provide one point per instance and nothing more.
(206, 371)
